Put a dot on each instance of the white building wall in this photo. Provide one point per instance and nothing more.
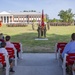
(8, 17)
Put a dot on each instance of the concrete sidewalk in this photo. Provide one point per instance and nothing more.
(38, 64)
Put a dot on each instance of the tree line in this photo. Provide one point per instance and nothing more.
(65, 16)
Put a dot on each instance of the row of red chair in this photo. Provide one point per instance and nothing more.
(5, 60)
(12, 54)
(68, 58)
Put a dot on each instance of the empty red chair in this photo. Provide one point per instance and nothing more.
(59, 45)
(18, 46)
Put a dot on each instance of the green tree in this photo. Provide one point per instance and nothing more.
(54, 20)
(66, 16)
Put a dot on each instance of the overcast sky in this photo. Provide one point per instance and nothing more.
(50, 7)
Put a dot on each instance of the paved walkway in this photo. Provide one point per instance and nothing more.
(38, 64)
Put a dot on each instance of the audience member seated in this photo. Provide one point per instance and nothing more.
(1, 38)
(3, 50)
(70, 47)
(9, 44)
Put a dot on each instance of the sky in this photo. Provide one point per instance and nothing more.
(50, 7)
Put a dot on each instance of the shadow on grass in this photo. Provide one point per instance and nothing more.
(39, 46)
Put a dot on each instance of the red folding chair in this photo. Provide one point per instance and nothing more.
(18, 46)
(5, 60)
(57, 46)
(68, 60)
(12, 54)
(73, 68)
(60, 54)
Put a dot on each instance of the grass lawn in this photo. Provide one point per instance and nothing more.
(27, 36)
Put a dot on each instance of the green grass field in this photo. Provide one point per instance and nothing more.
(27, 36)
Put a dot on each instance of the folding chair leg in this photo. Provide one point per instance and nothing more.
(7, 65)
(73, 72)
(21, 51)
(7, 70)
(15, 58)
(56, 51)
(64, 65)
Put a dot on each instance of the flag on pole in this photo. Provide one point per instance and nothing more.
(42, 19)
